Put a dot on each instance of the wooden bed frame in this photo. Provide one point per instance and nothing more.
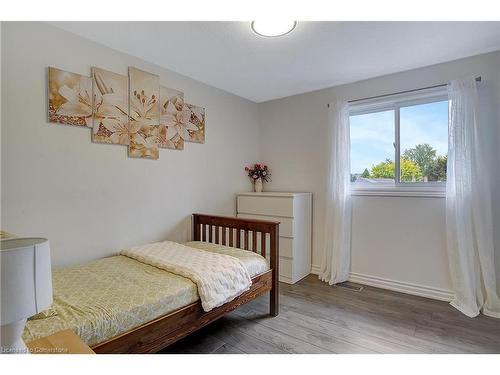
(167, 329)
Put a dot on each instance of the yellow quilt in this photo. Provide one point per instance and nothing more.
(107, 297)
(110, 296)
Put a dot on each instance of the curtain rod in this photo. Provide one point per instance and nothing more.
(478, 79)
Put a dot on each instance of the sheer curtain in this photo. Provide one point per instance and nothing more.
(468, 208)
(337, 238)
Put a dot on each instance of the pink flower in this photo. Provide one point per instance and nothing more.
(254, 176)
(247, 169)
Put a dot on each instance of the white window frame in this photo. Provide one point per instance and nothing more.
(395, 102)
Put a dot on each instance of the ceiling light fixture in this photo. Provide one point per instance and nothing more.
(273, 28)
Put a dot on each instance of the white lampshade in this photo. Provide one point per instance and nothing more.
(26, 277)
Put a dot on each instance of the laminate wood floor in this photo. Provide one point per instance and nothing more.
(318, 318)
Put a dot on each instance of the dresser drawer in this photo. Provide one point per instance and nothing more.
(286, 247)
(286, 223)
(285, 267)
(261, 205)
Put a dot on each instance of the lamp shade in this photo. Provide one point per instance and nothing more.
(26, 277)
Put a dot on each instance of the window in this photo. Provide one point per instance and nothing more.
(400, 144)
(372, 148)
(423, 139)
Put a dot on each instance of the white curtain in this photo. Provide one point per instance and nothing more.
(337, 223)
(468, 207)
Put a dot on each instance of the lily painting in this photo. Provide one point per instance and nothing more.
(110, 117)
(172, 118)
(144, 116)
(144, 143)
(196, 124)
(134, 111)
(70, 98)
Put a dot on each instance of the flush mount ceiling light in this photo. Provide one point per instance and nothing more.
(273, 28)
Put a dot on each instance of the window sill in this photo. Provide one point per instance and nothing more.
(401, 191)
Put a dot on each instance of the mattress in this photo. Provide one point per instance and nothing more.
(110, 296)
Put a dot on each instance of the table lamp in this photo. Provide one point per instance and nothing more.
(26, 287)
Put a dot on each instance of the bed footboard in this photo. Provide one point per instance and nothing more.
(256, 235)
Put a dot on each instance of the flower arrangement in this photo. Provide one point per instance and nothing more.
(259, 171)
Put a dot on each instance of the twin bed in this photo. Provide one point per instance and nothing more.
(122, 305)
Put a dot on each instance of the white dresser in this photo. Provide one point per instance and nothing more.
(294, 212)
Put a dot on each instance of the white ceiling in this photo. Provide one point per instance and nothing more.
(315, 55)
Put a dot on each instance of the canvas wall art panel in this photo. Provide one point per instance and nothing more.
(110, 117)
(144, 143)
(144, 116)
(144, 97)
(70, 98)
(196, 124)
(165, 140)
(171, 112)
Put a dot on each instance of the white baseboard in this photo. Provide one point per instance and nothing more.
(285, 279)
(315, 269)
(397, 286)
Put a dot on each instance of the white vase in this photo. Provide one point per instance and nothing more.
(257, 185)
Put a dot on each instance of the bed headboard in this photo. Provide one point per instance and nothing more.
(255, 235)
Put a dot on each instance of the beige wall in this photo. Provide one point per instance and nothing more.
(399, 239)
(91, 199)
